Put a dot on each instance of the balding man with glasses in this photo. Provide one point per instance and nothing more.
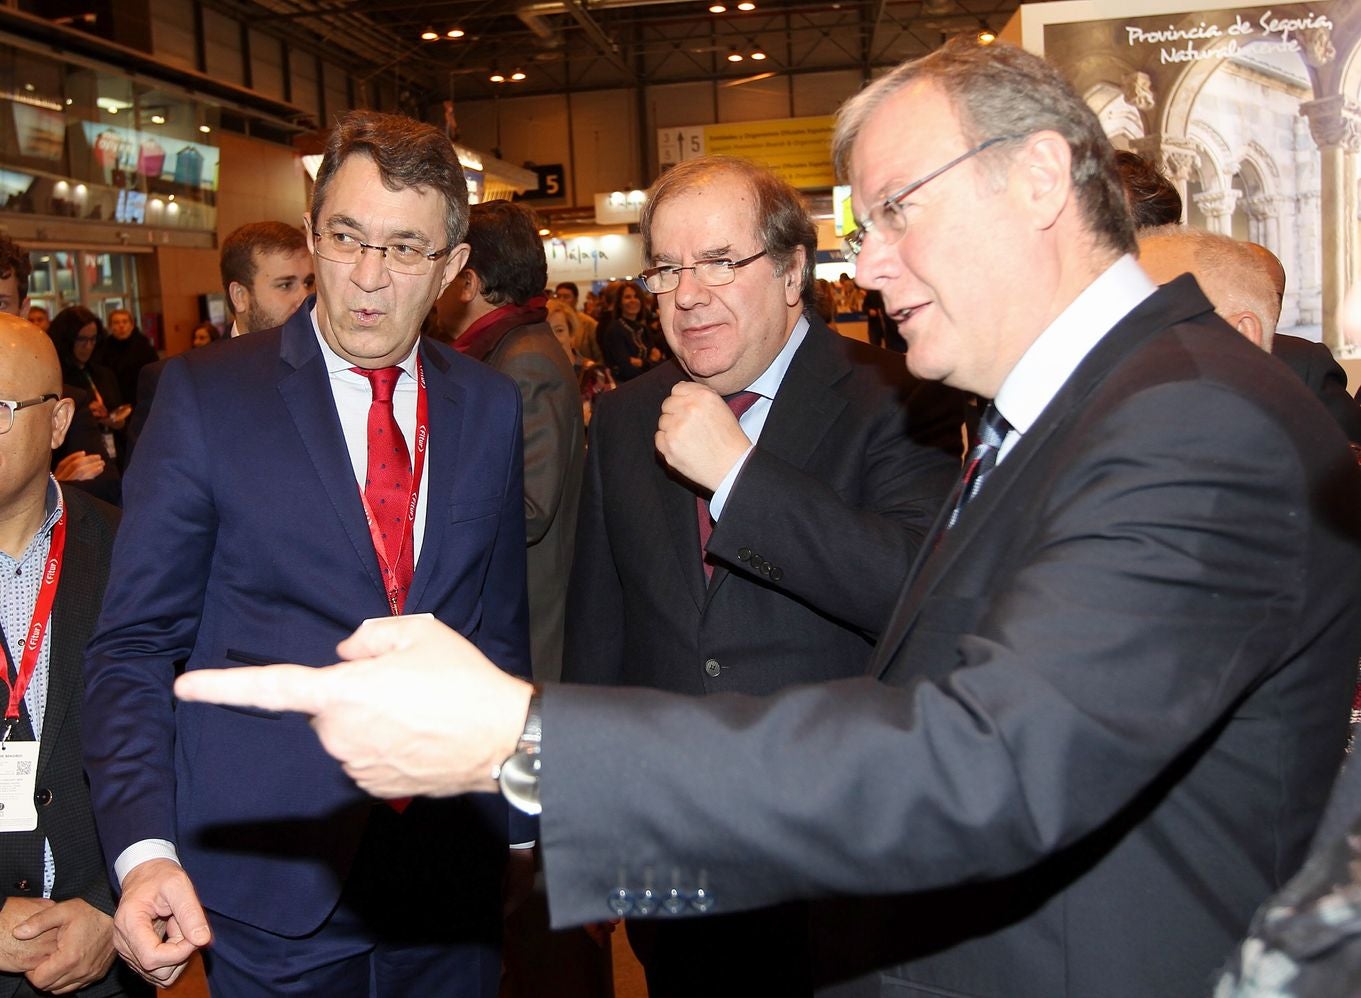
(289, 485)
(798, 473)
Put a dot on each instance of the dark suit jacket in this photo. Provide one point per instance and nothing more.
(1314, 364)
(526, 351)
(62, 796)
(244, 540)
(1107, 710)
(814, 541)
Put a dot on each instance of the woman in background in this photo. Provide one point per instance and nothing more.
(626, 341)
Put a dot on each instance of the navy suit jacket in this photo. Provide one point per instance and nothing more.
(1102, 722)
(244, 541)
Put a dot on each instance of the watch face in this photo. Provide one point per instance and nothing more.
(520, 782)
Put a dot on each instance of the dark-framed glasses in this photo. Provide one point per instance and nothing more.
(711, 273)
(887, 217)
(8, 408)
(400, 258)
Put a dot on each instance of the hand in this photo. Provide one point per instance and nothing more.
(79, 467)
(419, 710)
(84, 945)
(19, 956)
(698, 435)
(118, 417)
(159, 922)
(518, 881)
(98, 410)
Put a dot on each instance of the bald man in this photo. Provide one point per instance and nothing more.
(56, 929)
(1246, 283)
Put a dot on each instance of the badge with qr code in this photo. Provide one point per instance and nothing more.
(18, 777)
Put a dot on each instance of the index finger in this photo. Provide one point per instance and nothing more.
(268, 687)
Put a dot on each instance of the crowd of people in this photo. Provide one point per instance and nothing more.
(775, 669)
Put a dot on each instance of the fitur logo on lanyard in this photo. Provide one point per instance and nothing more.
(19, 760)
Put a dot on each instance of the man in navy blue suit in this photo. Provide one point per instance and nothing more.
(290, 485)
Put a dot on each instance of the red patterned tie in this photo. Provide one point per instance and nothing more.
(739, 403)
(387, 488)
(387, 485)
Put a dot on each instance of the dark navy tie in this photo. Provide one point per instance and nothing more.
(992, 430)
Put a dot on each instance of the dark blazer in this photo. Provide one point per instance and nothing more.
(1102, 720)
(245, 541)
(62, 796)
(527, 352)
(814, 541)
(1314, 364)
(84, 435)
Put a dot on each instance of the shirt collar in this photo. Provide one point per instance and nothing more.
(768, 384)
(336, 364)
(1056, 352)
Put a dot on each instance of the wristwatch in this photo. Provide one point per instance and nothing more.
(518, 775)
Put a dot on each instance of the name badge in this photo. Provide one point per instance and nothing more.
(18, 778)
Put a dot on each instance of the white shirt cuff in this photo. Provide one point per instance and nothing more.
(140, 852)
(725, 487)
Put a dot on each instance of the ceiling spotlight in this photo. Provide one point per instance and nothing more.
(734, 56)
(717, 8)
(455, 33)
(158, 119)
(429, 35)
(517, 76)
(204, 129)
(758, 55)
(497, 78)
(746, 5)
(986, 37)
(545, 232)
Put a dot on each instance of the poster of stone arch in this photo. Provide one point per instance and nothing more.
(1253, 110)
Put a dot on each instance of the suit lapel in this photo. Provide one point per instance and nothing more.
(804, 409)
(73, 613)
(674, 497)
(1003, 498)
(445, 399)
(305, 388)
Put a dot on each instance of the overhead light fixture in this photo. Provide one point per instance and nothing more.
(717, 8)
(517, 76)
(746, 5)
(986, 36)
(429, 34)
(158, 119)
(545, 232)
(734, 56)
(497, 77)
(758, 55)
(455, 33)
(204, 129)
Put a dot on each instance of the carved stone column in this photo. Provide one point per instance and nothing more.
(1218, 209)
(1335, 124)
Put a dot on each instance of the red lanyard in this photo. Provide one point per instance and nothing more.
(42, 614)
(389, 565)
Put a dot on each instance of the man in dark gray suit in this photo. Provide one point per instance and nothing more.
(1102, 721)
(56, 925)
(817, 498)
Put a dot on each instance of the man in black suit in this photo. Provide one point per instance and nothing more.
(1102, 721)
(819, 496)
(56, 930)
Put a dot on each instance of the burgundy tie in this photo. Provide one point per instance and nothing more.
(387, 484)
(739, 403)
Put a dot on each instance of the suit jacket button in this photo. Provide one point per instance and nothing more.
(765, 568)
(743, 554)
(43, 797)
(712, 668)
(776, 574)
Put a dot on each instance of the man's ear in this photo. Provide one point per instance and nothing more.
(454, 264)
(239, 295)
(62, 414)
(1046, 162)
(1250, 326)
(468, 286)
(793, 277)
